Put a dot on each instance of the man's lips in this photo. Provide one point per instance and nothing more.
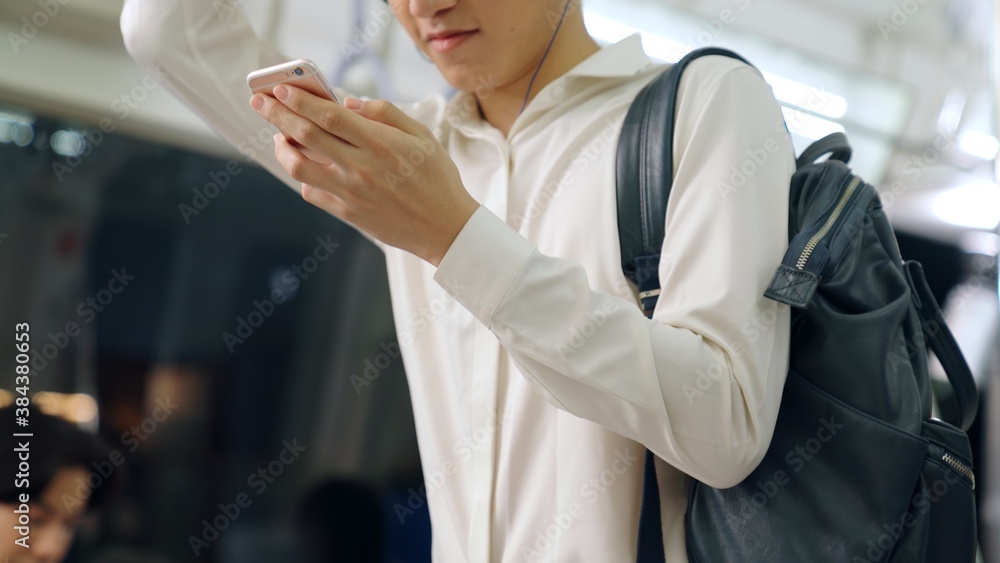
(447, 40)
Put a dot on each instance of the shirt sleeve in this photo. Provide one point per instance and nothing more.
(202, 51)
(699, 384)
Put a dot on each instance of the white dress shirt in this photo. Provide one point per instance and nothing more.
(536, 381)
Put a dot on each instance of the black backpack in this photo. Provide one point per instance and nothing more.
(896, 485)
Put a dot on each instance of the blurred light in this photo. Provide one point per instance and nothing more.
(17, 128)
(606, 29)
(813, 99)
(951, 111)
(281, 282)
(976, 206)
(78, 408)
(809, 126)
(656, 46)
(980, 242)
(12, 117)
(670, 51)
(22, 134)
(979, 145)
(68, 143)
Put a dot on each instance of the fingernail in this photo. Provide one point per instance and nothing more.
(353, 103)
(276, 137)
(257, 102)
(280, 92)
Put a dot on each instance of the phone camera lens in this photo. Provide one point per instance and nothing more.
(298, 71)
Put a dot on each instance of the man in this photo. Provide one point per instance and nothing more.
(536, 381)
(60, 459)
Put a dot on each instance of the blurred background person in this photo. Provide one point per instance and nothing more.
(71, 472)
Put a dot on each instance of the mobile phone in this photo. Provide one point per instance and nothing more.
(301, 73)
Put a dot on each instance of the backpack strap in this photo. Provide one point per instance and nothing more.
(836, 144)
(960, 408)
(645, 174)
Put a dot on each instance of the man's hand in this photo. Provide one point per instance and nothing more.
(387, 173)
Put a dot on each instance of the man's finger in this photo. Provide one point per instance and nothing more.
(332, 117)
(304, 169)
(327, 202)
(303, 131)
(387, 113)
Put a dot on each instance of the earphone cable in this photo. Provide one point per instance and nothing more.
(544, 55)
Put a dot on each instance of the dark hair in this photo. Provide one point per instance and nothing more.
(55, 444)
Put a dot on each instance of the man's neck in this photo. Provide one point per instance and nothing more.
(501, 107)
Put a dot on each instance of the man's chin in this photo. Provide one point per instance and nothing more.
(465, 77)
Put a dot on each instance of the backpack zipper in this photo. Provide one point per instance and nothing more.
(814, 240)
(960, 466)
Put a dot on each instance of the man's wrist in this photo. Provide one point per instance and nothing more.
(461, 219)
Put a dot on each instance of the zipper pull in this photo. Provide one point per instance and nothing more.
(794, 286)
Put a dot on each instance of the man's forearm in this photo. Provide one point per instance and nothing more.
(202, 52)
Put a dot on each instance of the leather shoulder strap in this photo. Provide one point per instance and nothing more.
(645, 174)
(644, 178)
(960, 409)
(834, 144)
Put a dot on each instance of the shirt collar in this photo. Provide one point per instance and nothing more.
(622, 59)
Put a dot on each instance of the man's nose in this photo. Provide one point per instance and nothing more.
(428, 8)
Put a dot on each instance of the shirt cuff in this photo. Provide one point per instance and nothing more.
(482, 262)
